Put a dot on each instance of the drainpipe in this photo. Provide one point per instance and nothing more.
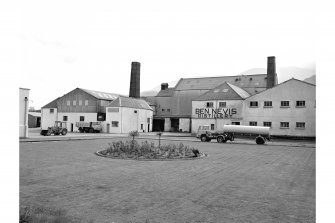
(25, 117)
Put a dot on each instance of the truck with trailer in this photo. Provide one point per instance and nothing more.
(228, 133)
(89, 127)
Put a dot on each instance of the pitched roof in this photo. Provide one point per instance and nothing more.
(149, 99)
(292, 79)
(207, 83)
(101, 95)
(166, 92)
(52, 104)
(224, 91)
(130, 103)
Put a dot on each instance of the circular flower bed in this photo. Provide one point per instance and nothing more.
(147, 151)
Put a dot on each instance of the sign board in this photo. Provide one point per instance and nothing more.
(220, 113)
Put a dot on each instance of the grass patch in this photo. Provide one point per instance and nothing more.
(45, 215)
(133, 150)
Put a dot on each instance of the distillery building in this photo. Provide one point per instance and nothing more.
(174, 105)
(117, 113)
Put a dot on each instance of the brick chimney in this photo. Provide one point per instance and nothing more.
(134, 90)
(271, 72)
(164, 86)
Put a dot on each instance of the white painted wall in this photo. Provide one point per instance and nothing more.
(23, 112)
(167, 124)
(184, 124)
(129, 120)
(75, 117)
(292, 91)
(48, 119)
(220, 120)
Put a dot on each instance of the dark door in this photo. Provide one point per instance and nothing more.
(158, 125)
(108, 126)
(71, 127)
(148, 127)
(175, 124)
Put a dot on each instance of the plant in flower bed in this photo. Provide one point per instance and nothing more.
(132, 149)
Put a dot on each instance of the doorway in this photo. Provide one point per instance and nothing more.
(175, 124)
(108, 127)
(71, 127)
(158, 125)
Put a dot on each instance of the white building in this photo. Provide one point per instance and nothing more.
(23, 112)
(288, 108)
(219, 106)
(125, 114)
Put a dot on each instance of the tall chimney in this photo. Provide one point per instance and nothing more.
(134, 90)
(271, 73)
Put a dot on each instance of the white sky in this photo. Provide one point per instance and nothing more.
(91, 44)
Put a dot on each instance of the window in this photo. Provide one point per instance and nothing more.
(284, 104)
(253, 123)
(148, 120)
(300, 104)
(168, 110)
(235, 123)
(135, 111)
(65, 118)
(86, 102)
(80, 102)
(267, 124)
(212, 126)
(68, 103)
(222, 104)
(284, 125)
(209, 104)
(74, 102)
(163, 110)
(300, 125)
(267, 103)
(81, 118)
(115, 124)
(141, 126)
(253, 103)
(51, 110)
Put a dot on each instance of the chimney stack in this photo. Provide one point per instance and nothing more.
(134, 90)
(164, 86)
(271, 73)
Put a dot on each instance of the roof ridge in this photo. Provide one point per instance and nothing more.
(238, 75)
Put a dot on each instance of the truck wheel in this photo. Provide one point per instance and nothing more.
(221, 139)
(81, 130)
(203, 138)
(260, 140)
(91, 130)
(64, 132)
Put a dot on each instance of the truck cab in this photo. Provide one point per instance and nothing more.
(204, 133)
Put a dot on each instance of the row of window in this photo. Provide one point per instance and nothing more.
(300, 125)
(81, 118)
(74, 102)
(168, 110)
(221, 104)
(116, 124)
(282, 103)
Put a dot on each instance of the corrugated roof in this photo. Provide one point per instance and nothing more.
(130, 103)
(101, 95)
(165, 93)
(224, 91)
(242, 81)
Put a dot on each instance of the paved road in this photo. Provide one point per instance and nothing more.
(236, 183)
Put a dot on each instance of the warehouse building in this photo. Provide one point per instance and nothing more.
(174, 105)
(288, 108)
(117, 113)
(77, 105)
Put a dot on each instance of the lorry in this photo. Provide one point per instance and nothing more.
(89, 127)
(228, 133)
(59, 128)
